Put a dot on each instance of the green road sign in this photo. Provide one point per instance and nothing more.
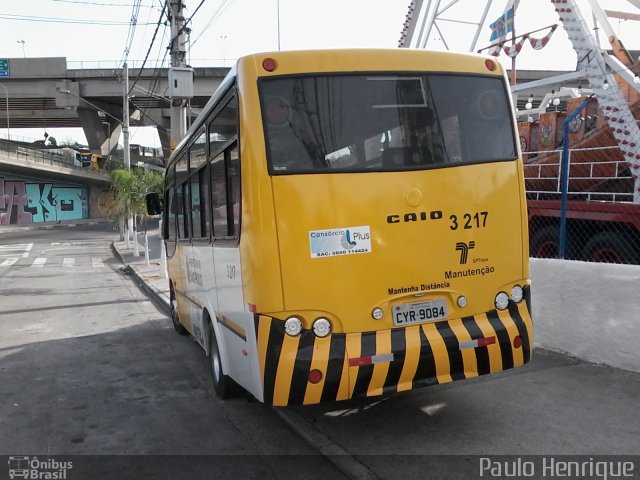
(4, 67)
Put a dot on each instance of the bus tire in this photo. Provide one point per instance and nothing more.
(545, 243)
(175, 319)
(224, 386)
(609, 247)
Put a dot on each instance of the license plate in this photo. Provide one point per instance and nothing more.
(421, 312)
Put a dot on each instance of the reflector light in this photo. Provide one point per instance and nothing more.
(377, 313)
(502, 301)
(315, 376)
(483, 342)
(371, 359)
(321, 327)
(517, 293)
(462, 301)
(360, 361)
(293, 326)
(517, 341)
(269, 64)
(252, 308)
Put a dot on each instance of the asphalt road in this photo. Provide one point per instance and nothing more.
(90, 367)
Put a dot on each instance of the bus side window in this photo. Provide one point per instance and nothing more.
(233, 175)
(183, 200)
(203, 175)
(225, 193)
(219, 196)
(171, 214)
(198, 172)
(183, 211)
(224, 165)
(196, 212)
(170, 210)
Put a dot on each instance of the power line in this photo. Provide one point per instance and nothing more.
(162, 13)
(221, 8)
(184, 27)
(132, 30)
(88, 2)
(30, 18)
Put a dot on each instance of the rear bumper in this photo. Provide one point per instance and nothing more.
(386, 361)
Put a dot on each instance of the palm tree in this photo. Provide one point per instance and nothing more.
(130, 188)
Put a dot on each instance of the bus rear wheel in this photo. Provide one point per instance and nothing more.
(224, 386)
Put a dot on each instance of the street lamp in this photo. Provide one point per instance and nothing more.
(6, 93)
(23, 42)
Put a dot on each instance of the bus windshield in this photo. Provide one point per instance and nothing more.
(384, 122)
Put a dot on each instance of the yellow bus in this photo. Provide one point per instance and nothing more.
(351, 223)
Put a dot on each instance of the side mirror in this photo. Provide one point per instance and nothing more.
(153, 203)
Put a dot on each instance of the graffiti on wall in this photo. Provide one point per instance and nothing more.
(23, 202)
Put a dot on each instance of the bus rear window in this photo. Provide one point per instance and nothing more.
(357, 123)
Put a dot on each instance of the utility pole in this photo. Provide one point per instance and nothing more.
(180, 75)
(131, 227)
(125, 117)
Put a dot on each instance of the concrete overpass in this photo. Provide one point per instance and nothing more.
(32, 86)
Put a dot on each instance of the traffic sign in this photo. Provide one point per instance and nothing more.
(4, 67)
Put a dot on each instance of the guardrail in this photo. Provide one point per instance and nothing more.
(42, 157)
(135, 64)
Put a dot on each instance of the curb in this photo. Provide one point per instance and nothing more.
(338, 456)
(153, 293)
(50, 226)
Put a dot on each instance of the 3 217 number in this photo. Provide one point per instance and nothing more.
(469, 221)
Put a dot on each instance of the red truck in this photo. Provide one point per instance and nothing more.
(603, 222)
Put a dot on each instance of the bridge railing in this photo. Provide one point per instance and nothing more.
(134, 64)
(37, 156)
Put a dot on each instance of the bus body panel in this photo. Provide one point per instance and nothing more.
(364, 60)
(234, 322)
(176, 265)
(409, 218)
(258, 240)
(368, 364)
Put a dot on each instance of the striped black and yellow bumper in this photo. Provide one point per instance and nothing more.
(387, 361)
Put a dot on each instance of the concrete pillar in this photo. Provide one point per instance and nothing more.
(164, 134)
(96, 131)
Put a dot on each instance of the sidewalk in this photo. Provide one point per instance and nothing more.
(51, 225)
(147, 276)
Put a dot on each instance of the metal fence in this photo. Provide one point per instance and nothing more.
(43, 157)
(597, 221)
(152, 64)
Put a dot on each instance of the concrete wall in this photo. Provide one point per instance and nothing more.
(589, 310)
(25, 200)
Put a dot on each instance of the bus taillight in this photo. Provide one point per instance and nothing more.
(315, 376)
(269, 64)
